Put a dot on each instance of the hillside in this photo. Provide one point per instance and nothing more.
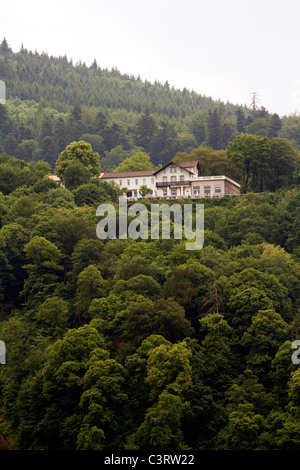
(51, 102)
(120, 345)
(124, 344)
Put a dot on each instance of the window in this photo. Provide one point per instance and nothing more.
(218, 189)
(206, 189)
(173, 178)
(128, 182)
(174, 192)
(196, 190)
(173, 169)
(144, 181)
(137, 182)
(164, 179)
(152, 180)
(181, 177)
(120, 183)
(165, 192)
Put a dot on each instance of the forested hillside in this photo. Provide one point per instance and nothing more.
(142, 344)
(52, 102)
(123, 344)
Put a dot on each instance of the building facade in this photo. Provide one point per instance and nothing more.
(173, 181)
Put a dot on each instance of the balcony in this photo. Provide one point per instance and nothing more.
(165, 184)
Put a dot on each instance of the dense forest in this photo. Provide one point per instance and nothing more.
(142, 344)
(52, 102)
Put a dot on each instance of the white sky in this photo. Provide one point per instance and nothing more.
(225, 49)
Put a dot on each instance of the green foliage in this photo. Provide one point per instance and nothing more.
(124, 344)
(251, 154)
(138, 162)
(77, 152)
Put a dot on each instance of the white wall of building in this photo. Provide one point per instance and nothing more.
(134, 182)
(173, 172)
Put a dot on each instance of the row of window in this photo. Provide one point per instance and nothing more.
(173, 178)
(196, 189)
(136, 182)
(206, 190)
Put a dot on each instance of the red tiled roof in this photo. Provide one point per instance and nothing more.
(127, 174)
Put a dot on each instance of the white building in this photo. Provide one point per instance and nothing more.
(174, 181)
(131, 181)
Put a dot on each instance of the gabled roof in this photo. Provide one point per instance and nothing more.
(184, 165)
(127, 174)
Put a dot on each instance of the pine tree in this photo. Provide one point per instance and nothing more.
(145, 130)
(47, 143)
(240, 120)
(275, 126)
(214, 127)
(4, 48)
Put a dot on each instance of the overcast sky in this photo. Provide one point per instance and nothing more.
(226, 49)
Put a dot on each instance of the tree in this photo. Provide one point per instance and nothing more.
(4, 47)
(78, 152)
(43, 270)
(114, 157)
(90, 285)
(72, 226)
(214, 128)
(161, 429)
(86, 253)
(215, 355)
(100, 122)
(262, 339)
(198, 127)
(240, 120)
(138, 162)
(47, 143)
(140, 284)
(102, 402)
(251, 154)
(96, 142)
(75, 128)
(53, 316)
(284, 162)
(62, 382)
(165, 144)
(244, 303)
(162, 317)
(246, 388)
(145, 130)
(239, 287)
(144, 190)
(28, 150)
(60, 197)
(169, 378)
(113, 136)
(275, 126)
(91, 194)
(13, 238)
(243, 430)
